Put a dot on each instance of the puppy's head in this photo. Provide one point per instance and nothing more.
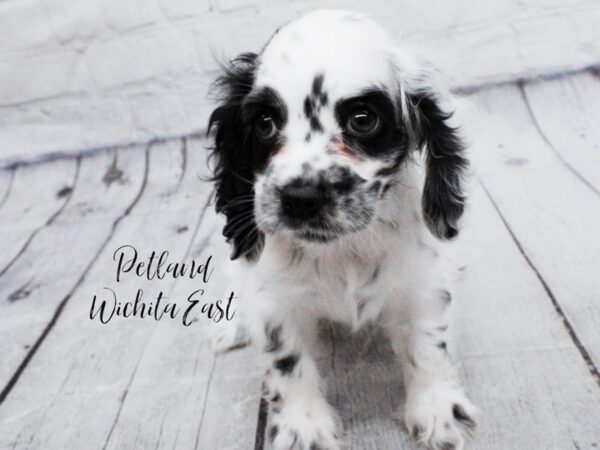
(312, 131)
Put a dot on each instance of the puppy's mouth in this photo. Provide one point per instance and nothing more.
(317, 235)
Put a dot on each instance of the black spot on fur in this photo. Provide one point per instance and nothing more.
(386, 188)
(313, 103)
(273, 432)
(315, 446)
(342, 179)
(273, 338)
(416, 432)
(459, 414)
(375, 273)
(388, 170)
(309, 107)
(315, 124)
(375, 187)
(286, 365)
(443, 197)
(442, 345)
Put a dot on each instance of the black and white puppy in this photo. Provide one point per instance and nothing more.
(319, 173)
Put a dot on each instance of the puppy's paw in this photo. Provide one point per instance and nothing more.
(440, 417)
(226, 336)
(299, 428)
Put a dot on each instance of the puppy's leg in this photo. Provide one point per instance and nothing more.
(301, 418)
(226, 335)
(437, 412)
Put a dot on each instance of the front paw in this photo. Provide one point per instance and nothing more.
(297, 427)
(440, 417)
(225, 336)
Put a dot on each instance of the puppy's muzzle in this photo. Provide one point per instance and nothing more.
(303, 200)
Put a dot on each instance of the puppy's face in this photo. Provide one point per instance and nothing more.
(322, 128)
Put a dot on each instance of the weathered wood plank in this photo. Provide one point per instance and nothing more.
(365, 386)
(553, 215)
(518, 360)
(38, 196)
(100, 364)
(511, 38)
(33, 288)
(566, 111)
(200, 400)
(232, 398)
(92, 364)
(7, 177)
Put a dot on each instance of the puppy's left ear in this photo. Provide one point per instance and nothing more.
(443, 199)
(232, 155)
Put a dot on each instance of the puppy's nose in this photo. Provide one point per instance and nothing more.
(301, 200)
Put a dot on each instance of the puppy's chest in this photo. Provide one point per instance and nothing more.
(348, 289)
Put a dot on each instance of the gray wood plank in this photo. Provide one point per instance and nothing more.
(91, 363)
(518, 360)
(553, 215)
(103, 364)
(38, 196)
(219, 394)
(44, 276)
(365, 386)
(566, 111)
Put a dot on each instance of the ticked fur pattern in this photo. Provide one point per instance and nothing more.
(339, 175)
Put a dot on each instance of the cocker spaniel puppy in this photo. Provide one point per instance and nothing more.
(318, 145)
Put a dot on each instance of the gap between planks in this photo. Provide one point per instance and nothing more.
(134, 372)
(11, 178)
(565, 321)
(550, 145)
(49, 222)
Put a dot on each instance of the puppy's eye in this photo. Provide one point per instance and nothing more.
(363, 122)
(265, 126)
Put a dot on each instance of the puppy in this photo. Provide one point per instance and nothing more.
(320, 142)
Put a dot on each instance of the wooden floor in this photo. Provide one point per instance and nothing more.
(527, 296)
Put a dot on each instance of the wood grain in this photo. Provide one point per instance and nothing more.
(552, 214)
(38, 196)
(43, 278)
(200, 400)
(565, 111)
(7, 177)
(518, 360)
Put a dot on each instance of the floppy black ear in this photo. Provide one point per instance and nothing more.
(232, 153)
(443, 197)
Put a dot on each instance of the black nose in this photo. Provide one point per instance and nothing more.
(301, 200)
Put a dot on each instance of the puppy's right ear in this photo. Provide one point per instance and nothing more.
(232, 154)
